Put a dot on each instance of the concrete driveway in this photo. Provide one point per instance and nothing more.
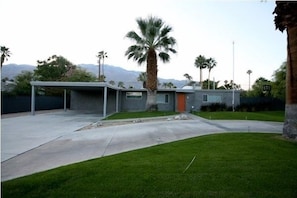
(32, 144)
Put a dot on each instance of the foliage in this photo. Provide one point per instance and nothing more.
(224, 165)
(285, 14)
(211, 63)
(168, 85)
(55, 68)
(227, 85)
(210, 84)
(121, 84)
(200, 63)
(214, 107)
(276, 116)
(142, 78)
(101, 56)
(257, 88)
(80, 75)
(278, 89)
(5, 53)
(23, 86)
(111, 82)
(151, 43)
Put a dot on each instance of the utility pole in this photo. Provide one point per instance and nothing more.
(233, 82)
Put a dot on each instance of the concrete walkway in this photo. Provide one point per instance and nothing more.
(32, 144)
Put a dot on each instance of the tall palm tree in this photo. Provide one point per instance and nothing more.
(210, 64)
(151, 42)
(200, 63)
(101, 56)
(286, 19)
(4, 54)
(249, 73)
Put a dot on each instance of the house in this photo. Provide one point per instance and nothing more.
(105, 99)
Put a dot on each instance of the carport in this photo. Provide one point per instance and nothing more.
(77, 86)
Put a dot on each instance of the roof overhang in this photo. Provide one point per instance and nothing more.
(73, 85)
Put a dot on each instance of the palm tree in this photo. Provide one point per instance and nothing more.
(249, 73)
(4, 54)
(101, 56)
(211, 63)
(286, 19)
(188, 77)
(200, 62)
(142, 78)
(153, 42)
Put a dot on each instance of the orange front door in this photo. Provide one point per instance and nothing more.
(181, 102)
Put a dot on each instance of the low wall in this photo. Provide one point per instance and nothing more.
(15, 104)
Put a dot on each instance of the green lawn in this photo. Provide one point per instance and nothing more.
(277, 116)
(142, 114)
(222, 165)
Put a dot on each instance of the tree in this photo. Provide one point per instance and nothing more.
(286, 19)
(5, 53)
(55, 68)
(101, 56)
(229, 85)
(200, 63)
(188, 77)
(111, 82)
(278, 89)
(23, 86)
(209, 84)
(142, 78)
(81, 75)
(121, 84)
(249, 73)
(211, 63)
(257, 88)
(153, 42)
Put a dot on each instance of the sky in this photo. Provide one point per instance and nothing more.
(239, 35)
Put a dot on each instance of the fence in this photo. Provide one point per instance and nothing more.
(15, 104)
(261, 104)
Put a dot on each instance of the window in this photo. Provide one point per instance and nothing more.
(204, 98)
(162, 98)
(133, 95)
(212, 99)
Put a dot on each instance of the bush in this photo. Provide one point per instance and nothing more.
(214, 107)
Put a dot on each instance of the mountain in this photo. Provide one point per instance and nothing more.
(111, 72)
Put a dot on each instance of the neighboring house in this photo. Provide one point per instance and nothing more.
(105, 99)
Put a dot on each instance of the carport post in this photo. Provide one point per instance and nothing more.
(65, 100)
(32, 100)
(104, 102)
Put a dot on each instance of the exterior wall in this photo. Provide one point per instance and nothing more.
(130, 100)
(132, 104)
(138, 103)
(223, 96)
(93, 100)
(167, 106)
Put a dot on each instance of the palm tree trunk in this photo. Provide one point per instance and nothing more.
(151, 84)
(290, 124)
(208, 79)
(201, 77)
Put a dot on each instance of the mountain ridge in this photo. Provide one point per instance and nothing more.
(115, 73)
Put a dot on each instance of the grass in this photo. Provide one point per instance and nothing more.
(142, 114)
(277, 116)
(226, 165)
